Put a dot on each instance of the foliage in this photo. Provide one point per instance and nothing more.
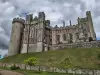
(31, 61)
(14, 67)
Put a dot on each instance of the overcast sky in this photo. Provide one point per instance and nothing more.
(55, 10)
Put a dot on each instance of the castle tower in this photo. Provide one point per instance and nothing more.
(40, 32)
(90, 24)
(16, 36)
(29, 17)
(47, 23)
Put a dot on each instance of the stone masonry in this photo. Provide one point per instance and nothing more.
(36, 34)
(83, 71)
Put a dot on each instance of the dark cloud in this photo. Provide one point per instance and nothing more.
(75, 2)
(3, 46)
(3, 1)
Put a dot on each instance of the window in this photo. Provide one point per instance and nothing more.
(71, 36)
(58, 39)
(16, 26)
(64, 37)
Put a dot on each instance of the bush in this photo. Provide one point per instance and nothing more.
(14, 67)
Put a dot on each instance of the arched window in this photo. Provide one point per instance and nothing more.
(58, 39)
(90, 39)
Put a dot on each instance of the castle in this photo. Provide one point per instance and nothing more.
(36, 34)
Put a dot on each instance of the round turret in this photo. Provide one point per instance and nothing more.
(16, 36)
(22, 21)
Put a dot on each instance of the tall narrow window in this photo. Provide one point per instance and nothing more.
(71, 36)
(58, 39)
(64, 37)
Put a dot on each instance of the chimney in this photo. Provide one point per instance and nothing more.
(63, 23)
(78, 20)
(70, 22)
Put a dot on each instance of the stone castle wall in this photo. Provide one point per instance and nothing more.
(36, 34)
(92, 44)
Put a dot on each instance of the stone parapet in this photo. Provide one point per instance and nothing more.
(20, 20)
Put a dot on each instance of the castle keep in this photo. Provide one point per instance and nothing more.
(36, 34)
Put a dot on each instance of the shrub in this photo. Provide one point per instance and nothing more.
(31, 61)
(14, 67)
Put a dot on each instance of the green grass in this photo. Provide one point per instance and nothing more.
(81, 58)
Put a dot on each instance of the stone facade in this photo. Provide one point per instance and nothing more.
(36, 34)
(80, 32)
(92, 44)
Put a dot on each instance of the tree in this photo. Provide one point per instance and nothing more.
(31, 61)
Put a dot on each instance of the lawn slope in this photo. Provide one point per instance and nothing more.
(81, 58)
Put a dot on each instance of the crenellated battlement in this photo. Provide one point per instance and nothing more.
(20, 20)
(66, 27)
(83, 19)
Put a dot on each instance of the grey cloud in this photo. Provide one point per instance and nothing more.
(56, 11)
(82, 6)
(3, 52)
(3, 41)
(96, 10)
(7, 25)
(3, 1)
(67, 1)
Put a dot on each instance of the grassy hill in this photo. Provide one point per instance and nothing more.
(81, 58)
